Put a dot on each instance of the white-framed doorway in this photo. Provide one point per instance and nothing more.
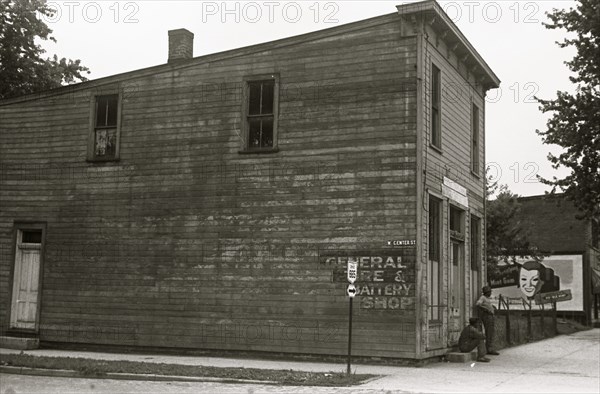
(26, 276)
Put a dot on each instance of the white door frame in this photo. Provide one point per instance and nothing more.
(18, 247)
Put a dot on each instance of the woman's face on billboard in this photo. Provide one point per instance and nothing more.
(530, 282)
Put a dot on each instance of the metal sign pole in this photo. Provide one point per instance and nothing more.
(352, 273)
(349, 336)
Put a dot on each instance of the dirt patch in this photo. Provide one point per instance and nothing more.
(99, 368)
(566, 327)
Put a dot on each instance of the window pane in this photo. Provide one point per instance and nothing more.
(435, 280)
(101, 106)
(455, 276)
(435, 126)
(434, 293)
(475, 139)
(453, 220)
(435, 107)
(267, 97)
(435, 85)
(111, 144)
(254, 133)
(112, 110)
(475, 238)
(106, 110)
(254, 98)
(455, 254)
(267, 133)
(457, 225)
(434, 229)
(106, 142)
(32, 236)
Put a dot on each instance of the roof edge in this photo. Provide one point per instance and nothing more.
(433, 7)
(542, 196)
(217, 56)
(405, 9)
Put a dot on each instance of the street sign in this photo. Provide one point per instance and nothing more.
(351, 290)
(401, 242)
(352, 271)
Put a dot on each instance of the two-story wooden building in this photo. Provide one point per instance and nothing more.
(213, 202)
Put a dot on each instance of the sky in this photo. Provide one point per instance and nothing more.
(111, 37)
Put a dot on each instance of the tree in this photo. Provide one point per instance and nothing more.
(506, 236)
(575, 121)
(22, 69)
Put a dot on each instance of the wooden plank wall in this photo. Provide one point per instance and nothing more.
(185, 242)
(459, 91)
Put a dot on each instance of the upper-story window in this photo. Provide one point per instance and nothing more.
(260, 112)
(104, 138)
(475, 139)
(436, 114)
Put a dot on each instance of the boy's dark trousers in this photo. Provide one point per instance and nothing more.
(488, 323)
(472, 344)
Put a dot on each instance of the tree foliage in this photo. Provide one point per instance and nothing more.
(506, 236)
(575, 120)
(23, 70)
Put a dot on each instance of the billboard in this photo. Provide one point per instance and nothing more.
(528, 280)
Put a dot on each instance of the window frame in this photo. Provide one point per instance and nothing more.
(456, 252)
(18, 228)
(436, 105)
(91, 156)
(245, 129)
(475, 139)
(475, 255)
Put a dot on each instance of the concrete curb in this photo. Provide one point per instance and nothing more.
(374, 378)
(65, 373)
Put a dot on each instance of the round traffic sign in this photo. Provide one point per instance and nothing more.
(351, 290)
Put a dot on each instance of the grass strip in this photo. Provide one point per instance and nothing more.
(99, 368)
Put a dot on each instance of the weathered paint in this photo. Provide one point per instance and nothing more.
(186, 242)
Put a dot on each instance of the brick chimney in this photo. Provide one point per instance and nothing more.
(181, 45)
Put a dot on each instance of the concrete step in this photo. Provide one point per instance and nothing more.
(458, 357)
(19, 343)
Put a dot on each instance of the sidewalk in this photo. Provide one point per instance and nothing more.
(568, 363)
(563, 364)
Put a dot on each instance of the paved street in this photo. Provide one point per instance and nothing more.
(565, 364)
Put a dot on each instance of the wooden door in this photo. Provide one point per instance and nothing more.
(25, 300)
(456, 292)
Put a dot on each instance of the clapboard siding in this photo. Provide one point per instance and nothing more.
(186, 243)
(459, 92)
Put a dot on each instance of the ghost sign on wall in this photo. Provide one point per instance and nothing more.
(384, 279)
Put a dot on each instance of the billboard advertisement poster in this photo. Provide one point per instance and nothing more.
(529, 280)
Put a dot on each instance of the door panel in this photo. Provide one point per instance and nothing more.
(26, 283)
(456, 294)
